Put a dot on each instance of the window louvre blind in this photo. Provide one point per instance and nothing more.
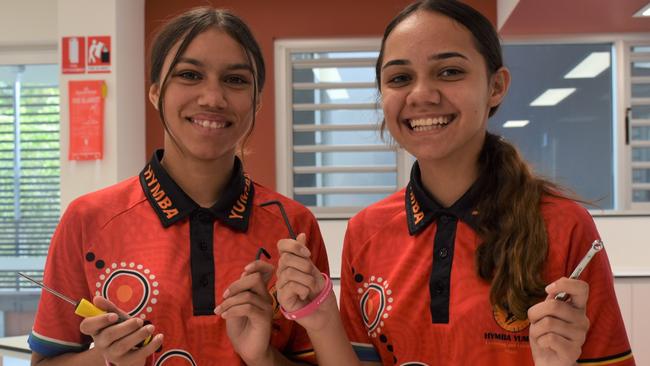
(638, 116)
(29, 172)
(330, 154)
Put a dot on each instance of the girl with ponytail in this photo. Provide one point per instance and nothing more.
(462, 267)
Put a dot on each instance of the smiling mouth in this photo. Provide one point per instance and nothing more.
(428, 124)
(209, 124)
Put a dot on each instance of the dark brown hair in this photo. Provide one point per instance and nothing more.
(514, 241)
(184, 28)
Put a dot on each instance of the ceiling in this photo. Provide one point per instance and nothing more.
(539, 17)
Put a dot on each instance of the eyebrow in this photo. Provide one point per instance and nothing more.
(434, 57)
(195, 62)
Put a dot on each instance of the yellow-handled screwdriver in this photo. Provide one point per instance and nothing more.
(83, 307)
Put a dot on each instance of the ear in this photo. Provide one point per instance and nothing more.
(499, 84)
(154, 94)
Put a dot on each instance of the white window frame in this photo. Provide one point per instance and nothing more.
(626, 71)
(621, 91)
(36, 54)
(284, 115)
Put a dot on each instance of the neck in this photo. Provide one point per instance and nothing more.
(203, 180)
(448, 179)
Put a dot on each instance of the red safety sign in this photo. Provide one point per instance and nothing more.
(73, 55)
(99, 54)
(86, 102)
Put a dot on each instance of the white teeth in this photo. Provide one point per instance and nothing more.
(425, 124)
(209, 124)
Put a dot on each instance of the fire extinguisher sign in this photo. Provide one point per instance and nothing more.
(73, 55)
(99, 54)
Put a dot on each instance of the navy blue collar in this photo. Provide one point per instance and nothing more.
(422, 209)
(171, 204)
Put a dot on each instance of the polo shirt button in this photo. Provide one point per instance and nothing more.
(204, 216)
(203, 245)
(440, 288)
(443, 253)
(205, 281)
(444, 219)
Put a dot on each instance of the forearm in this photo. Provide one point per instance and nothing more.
(90, 358)
(331, 342)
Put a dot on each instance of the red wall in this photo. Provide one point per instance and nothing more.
(281, 19)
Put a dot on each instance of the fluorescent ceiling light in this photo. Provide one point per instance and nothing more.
(590, 67)
(331, 75)
(643, 12)
(516, 123)
(338, 94)
(552, 97)
(327, 75)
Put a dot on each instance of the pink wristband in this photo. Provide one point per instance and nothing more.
(313, 305)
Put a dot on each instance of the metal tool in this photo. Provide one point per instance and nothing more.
(596, 247)
(261, 252)
(83, 307)
(292, 234)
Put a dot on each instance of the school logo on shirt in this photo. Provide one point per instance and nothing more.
(130, 286)
(508, 321)
(375, 303)
(178, 354)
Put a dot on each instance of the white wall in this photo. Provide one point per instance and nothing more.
(124, 124)
(27, 39)
(28, 22)
(30, 32)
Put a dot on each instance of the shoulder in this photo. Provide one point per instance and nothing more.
(100, 206)
(559, 211)
(382, 215)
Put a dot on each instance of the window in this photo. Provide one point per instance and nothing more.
(330, 156)
(335, 161)
(638, 122)
(559, 113)
(29, 181)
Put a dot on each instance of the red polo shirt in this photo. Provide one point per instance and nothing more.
(411, 295)
(151, 250)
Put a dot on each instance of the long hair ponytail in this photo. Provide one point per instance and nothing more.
(515, 243)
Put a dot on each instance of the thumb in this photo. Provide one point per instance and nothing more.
(302, 238)
(108, 306)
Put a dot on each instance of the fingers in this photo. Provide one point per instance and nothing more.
(563, 348)
(253, 282)
(296, 247)
(250, 289)
(111, 334)
(553, 317)
(559, 325)
(131, 357)
(123, 340)
(291, 279)
(106, 305)
(244, 304)
(577, 290)
(294, 254)
(265, 269)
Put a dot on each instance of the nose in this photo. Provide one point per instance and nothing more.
(213, 95)
(424, 92)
